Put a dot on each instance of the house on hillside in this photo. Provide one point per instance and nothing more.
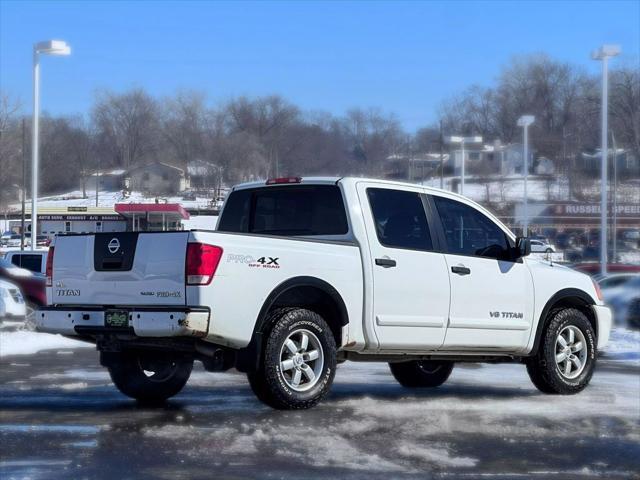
(109, 180)
(204, 175)
(627, 164)
(491, 159)
(418, 166)
(158, 178)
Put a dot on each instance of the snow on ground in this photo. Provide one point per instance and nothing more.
(507, 188)
(108, 199)
(25, 342)
(486, 421)
(201, 222)
(624, 345)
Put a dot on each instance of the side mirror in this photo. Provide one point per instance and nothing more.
(523, 247)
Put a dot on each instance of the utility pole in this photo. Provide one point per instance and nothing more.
(97, 178)
(51, 47)
(615, 197)
(441, 158)
(603, 54)
(24, 183)
(525, 121)
(462, 141)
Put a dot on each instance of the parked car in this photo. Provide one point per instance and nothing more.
(540, 246)
(15, 240)
(12, 303)
(33, 260)
(633, 315)
(41, 240)
(620, 298)
(613, 279)
(4, 238)
(593, 268)
(32, 285)
(303, 273)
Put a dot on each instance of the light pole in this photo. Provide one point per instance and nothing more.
(462, 141)
(49, 47)
(524, 122)
(603, 53)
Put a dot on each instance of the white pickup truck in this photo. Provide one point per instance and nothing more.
(302, 274)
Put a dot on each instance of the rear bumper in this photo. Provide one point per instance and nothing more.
(604, 318)
(143, 322)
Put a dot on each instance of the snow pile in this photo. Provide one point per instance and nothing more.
(624, 345)
(27, 343)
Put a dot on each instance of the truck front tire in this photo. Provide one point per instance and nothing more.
(149, 377)
(298, 361)
(421, 373)
(566, 358)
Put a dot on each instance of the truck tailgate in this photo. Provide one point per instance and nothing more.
(123, 268)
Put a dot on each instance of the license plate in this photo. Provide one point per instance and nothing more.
(116, 319)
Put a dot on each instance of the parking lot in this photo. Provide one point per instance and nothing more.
(61, 417)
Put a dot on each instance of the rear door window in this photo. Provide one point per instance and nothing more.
(400, 219)
(305, 210)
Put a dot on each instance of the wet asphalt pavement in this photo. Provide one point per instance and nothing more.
(60, 417)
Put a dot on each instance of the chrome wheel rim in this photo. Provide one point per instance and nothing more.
(301, 360)
(571, 352)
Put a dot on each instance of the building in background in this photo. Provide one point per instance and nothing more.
(414, 167)
(491, 159)
(54, 220)
(152, 217)
(627, 164)
(108, 180)
(157, 179)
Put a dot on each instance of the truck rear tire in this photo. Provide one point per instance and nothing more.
(149, 377)
(298, 362)
(566, 358)
(421, 373)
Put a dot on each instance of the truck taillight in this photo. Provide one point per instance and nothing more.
(49, 269)
(202, 263)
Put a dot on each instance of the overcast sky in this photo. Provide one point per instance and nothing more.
(403, 57)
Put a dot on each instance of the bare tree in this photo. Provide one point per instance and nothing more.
(83, 151)
(184, 120)
(625, 107)
(267, 118)
(10, 146)
(127, 126)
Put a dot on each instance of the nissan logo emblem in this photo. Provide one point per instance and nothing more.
(114, 245)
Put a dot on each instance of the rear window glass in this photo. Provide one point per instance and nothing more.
(307, 210)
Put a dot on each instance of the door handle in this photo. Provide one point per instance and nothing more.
(385, 262)
(461, 270)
